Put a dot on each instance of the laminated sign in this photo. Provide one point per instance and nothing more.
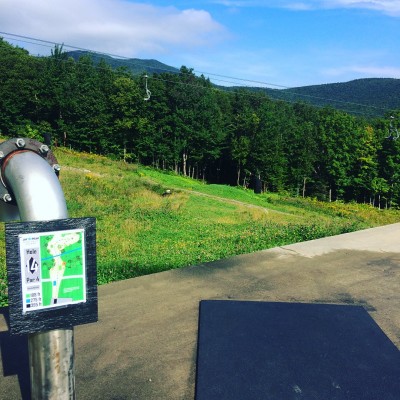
(51, 267)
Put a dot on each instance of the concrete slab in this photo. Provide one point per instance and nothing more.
(144, 345)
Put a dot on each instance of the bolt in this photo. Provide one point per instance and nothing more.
(7, 198)
(20, 143)
(44, 149)
(56, 167)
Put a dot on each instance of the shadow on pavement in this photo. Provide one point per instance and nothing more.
(14, 354)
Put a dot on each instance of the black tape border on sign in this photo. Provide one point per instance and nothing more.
(63, 317)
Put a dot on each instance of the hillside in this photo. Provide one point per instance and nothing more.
(373, 96)
(134, 65)
(370, 97)
(140, 230)
(244, 138)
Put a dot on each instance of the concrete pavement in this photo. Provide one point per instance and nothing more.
(144, 344)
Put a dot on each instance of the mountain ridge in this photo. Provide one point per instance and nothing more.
(134, 65)
(373, 97)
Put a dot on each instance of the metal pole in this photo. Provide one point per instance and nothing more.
(39, 197)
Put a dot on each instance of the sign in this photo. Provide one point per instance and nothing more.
(51, 267)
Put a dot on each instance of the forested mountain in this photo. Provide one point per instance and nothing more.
(371, 97)
(134, 65)
(191, 127)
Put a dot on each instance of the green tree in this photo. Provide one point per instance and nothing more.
(240, 152)
(125, 101)
(366, 169)
(388, 156)
(337, 149)
(268, 153)
(18, 99)
(380, 188)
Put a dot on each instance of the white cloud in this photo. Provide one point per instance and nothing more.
(238, 3)
(114, 26)
(389, 7)
(302, 6)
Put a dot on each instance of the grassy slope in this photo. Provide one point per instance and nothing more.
(140, 231)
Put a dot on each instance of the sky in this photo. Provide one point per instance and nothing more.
(276, 43)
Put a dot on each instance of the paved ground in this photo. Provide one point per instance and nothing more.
(144, 345)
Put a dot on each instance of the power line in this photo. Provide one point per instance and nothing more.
(249, 93)
(287, 91)
(47, 43)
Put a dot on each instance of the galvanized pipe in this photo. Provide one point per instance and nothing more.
(51, 361)
(35, 187)
(39, 196)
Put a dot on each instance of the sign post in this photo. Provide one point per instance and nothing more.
(51, 266)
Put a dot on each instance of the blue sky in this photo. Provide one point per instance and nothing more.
(282, 43)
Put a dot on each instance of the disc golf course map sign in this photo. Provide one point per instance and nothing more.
(52, 278)
(52, 269)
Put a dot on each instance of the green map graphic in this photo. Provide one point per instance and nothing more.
(62, 272)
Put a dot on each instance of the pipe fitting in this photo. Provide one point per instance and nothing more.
(34, 186)
(17, 146)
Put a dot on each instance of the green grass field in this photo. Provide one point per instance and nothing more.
(140, 231)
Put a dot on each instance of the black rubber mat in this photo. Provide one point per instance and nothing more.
(292, 351)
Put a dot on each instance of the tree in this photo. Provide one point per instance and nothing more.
(18, 78)
(388, 155)
(195, 128)
(337, 147)
(125, 101)
(379, 187)
(240, 152)
(269, 158)
(366, 168)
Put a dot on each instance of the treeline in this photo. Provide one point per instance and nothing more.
(361, 96)
(191, 127)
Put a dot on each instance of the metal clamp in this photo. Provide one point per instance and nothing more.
(15, 145)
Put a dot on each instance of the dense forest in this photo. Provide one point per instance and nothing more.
(361, 96)
(196, 129)
(368, 97)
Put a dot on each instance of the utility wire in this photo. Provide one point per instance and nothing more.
(47, 43)
(241, 82)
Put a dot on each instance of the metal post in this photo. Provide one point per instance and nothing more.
(39, 197)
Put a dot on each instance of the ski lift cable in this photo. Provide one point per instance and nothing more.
(266, 84)
(254, 95)
(47, 43)
(51, 45)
